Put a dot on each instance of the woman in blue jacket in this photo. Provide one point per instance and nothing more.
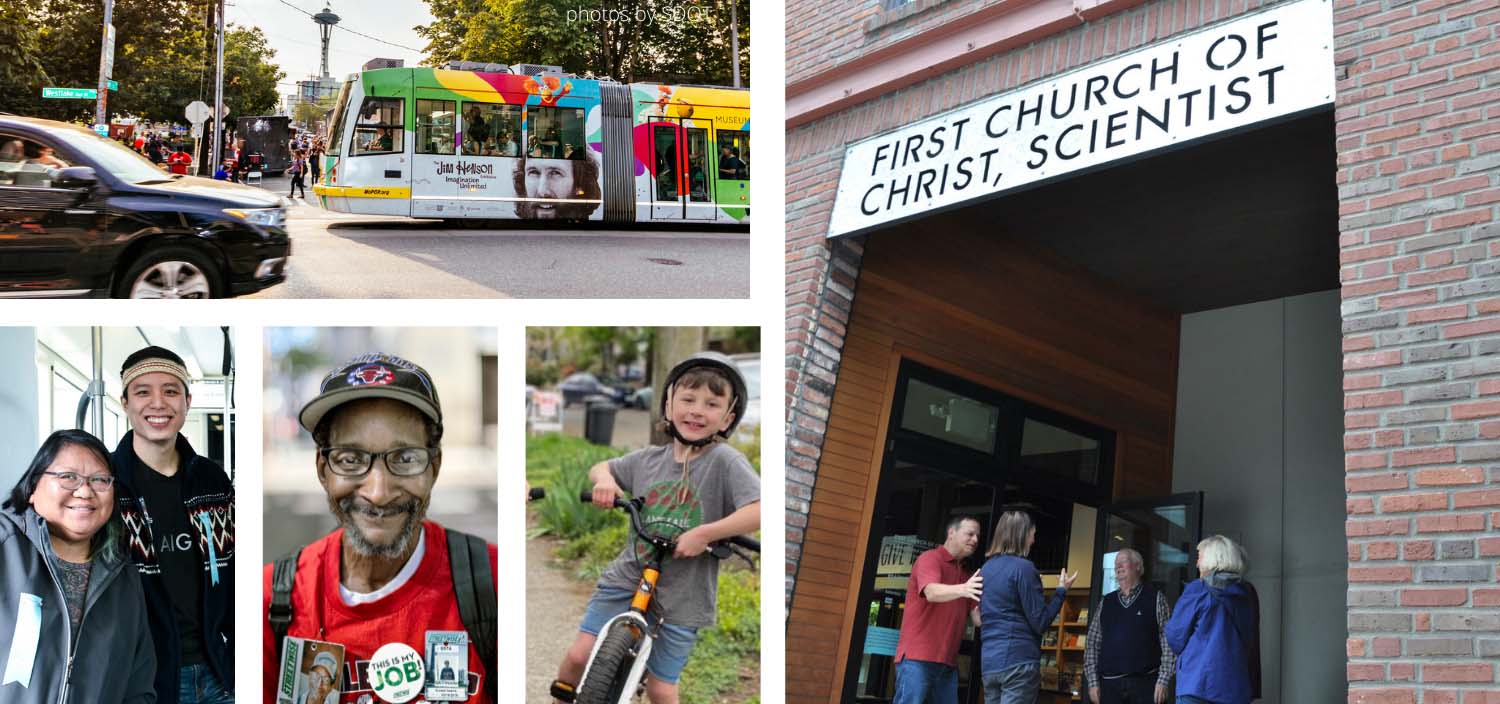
(1213, 629)
(1013, 613)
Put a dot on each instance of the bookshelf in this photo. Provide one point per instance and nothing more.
(1062, 648)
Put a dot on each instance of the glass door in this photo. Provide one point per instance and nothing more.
(1165, 530)
(920, 501)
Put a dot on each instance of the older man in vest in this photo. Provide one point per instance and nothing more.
(1126, 659)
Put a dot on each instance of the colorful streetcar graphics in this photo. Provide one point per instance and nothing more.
(436, 143)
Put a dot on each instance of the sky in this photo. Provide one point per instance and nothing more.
(294, 36)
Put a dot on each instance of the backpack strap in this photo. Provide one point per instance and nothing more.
(474, 588)
(283, 579)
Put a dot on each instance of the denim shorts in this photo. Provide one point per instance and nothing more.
(670, 650)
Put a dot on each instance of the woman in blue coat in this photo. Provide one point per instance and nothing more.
(1213, 628)
(1013, 613)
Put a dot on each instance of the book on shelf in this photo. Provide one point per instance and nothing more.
(1083, 616)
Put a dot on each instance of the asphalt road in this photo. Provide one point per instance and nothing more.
(335, 255)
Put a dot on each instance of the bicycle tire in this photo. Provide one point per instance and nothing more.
(606, 677)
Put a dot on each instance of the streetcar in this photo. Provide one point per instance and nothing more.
(531, 142)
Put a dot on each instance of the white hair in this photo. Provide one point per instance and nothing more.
(1133, 557)
(1217, 553)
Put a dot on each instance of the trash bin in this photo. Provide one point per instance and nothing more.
(599, 419)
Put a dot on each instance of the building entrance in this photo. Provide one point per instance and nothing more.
(956, 449)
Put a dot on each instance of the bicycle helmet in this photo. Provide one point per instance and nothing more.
(712, 360)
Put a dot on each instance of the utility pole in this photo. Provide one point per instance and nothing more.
(106, 63)
(218, 150)
(734, 38)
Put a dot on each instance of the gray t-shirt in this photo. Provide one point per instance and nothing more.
(721, 481)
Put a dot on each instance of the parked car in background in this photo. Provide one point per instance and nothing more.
(749, 364)
(640, 398)
(82, 215)
(576, 387)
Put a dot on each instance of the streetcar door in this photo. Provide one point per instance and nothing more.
(669, 182)
(682, 181)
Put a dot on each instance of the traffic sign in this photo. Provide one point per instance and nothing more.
(102, 130)
(197, 131)
(198, 112)
(71, 93)
(113, 86)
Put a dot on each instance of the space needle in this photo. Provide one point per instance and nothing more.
(326, 20)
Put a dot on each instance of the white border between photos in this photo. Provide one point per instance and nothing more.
(510, 317)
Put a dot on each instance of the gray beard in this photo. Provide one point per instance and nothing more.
(345, 508)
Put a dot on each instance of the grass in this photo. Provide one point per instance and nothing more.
(726, 653)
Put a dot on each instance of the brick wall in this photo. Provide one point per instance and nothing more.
(1419, 179)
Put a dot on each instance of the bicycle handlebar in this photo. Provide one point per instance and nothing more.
(635, 524)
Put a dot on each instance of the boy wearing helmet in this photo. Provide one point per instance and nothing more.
(697, 487)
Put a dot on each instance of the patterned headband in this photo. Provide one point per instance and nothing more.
(155, 364)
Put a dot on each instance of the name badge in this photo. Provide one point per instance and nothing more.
(23, 644)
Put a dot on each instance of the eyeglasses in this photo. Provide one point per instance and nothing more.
(70, 481)
(402, 461)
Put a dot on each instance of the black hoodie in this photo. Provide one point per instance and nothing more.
(208, 499)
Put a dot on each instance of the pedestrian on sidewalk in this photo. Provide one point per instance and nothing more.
(315, 160)
(296, 170)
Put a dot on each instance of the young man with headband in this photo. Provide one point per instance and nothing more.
(178, 510)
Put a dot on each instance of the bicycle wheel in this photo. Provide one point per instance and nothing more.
(605, 681)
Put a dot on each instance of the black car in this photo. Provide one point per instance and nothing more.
(82, 215)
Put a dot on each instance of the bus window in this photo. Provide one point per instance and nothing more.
(335, 139)
(697, 139)
(491, 129)
(379, 127)
(555, 133)
(435, 127)
(734, 155)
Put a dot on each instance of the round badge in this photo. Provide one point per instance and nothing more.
(396, 673)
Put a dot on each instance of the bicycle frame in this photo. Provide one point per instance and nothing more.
(635, 618)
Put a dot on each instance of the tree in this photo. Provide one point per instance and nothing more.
(21, 72)
(309, 113)
(628, 40)
(249, 76)
(450, 25)
(163, 60)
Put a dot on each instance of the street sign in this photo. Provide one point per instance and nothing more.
(113, 86)
(197, 131)
(71, 93)
(198, 112)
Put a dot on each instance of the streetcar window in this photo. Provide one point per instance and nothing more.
(336, 124)
(435, 127)
(492, 129)
(697, 157)
(665, 147)
(555, 133)
(379, 127)
(734, 155)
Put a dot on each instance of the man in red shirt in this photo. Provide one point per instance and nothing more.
(384, 577)
(939, 595)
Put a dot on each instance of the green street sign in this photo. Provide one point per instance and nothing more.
(76, 93)
(113, 86)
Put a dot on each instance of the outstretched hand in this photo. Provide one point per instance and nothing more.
(972, 588)
(1066, 579)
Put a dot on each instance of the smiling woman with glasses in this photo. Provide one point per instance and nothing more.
(67, 594)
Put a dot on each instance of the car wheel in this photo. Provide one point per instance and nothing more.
(171, 272)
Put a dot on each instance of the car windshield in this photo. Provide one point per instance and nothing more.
(113, 157)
